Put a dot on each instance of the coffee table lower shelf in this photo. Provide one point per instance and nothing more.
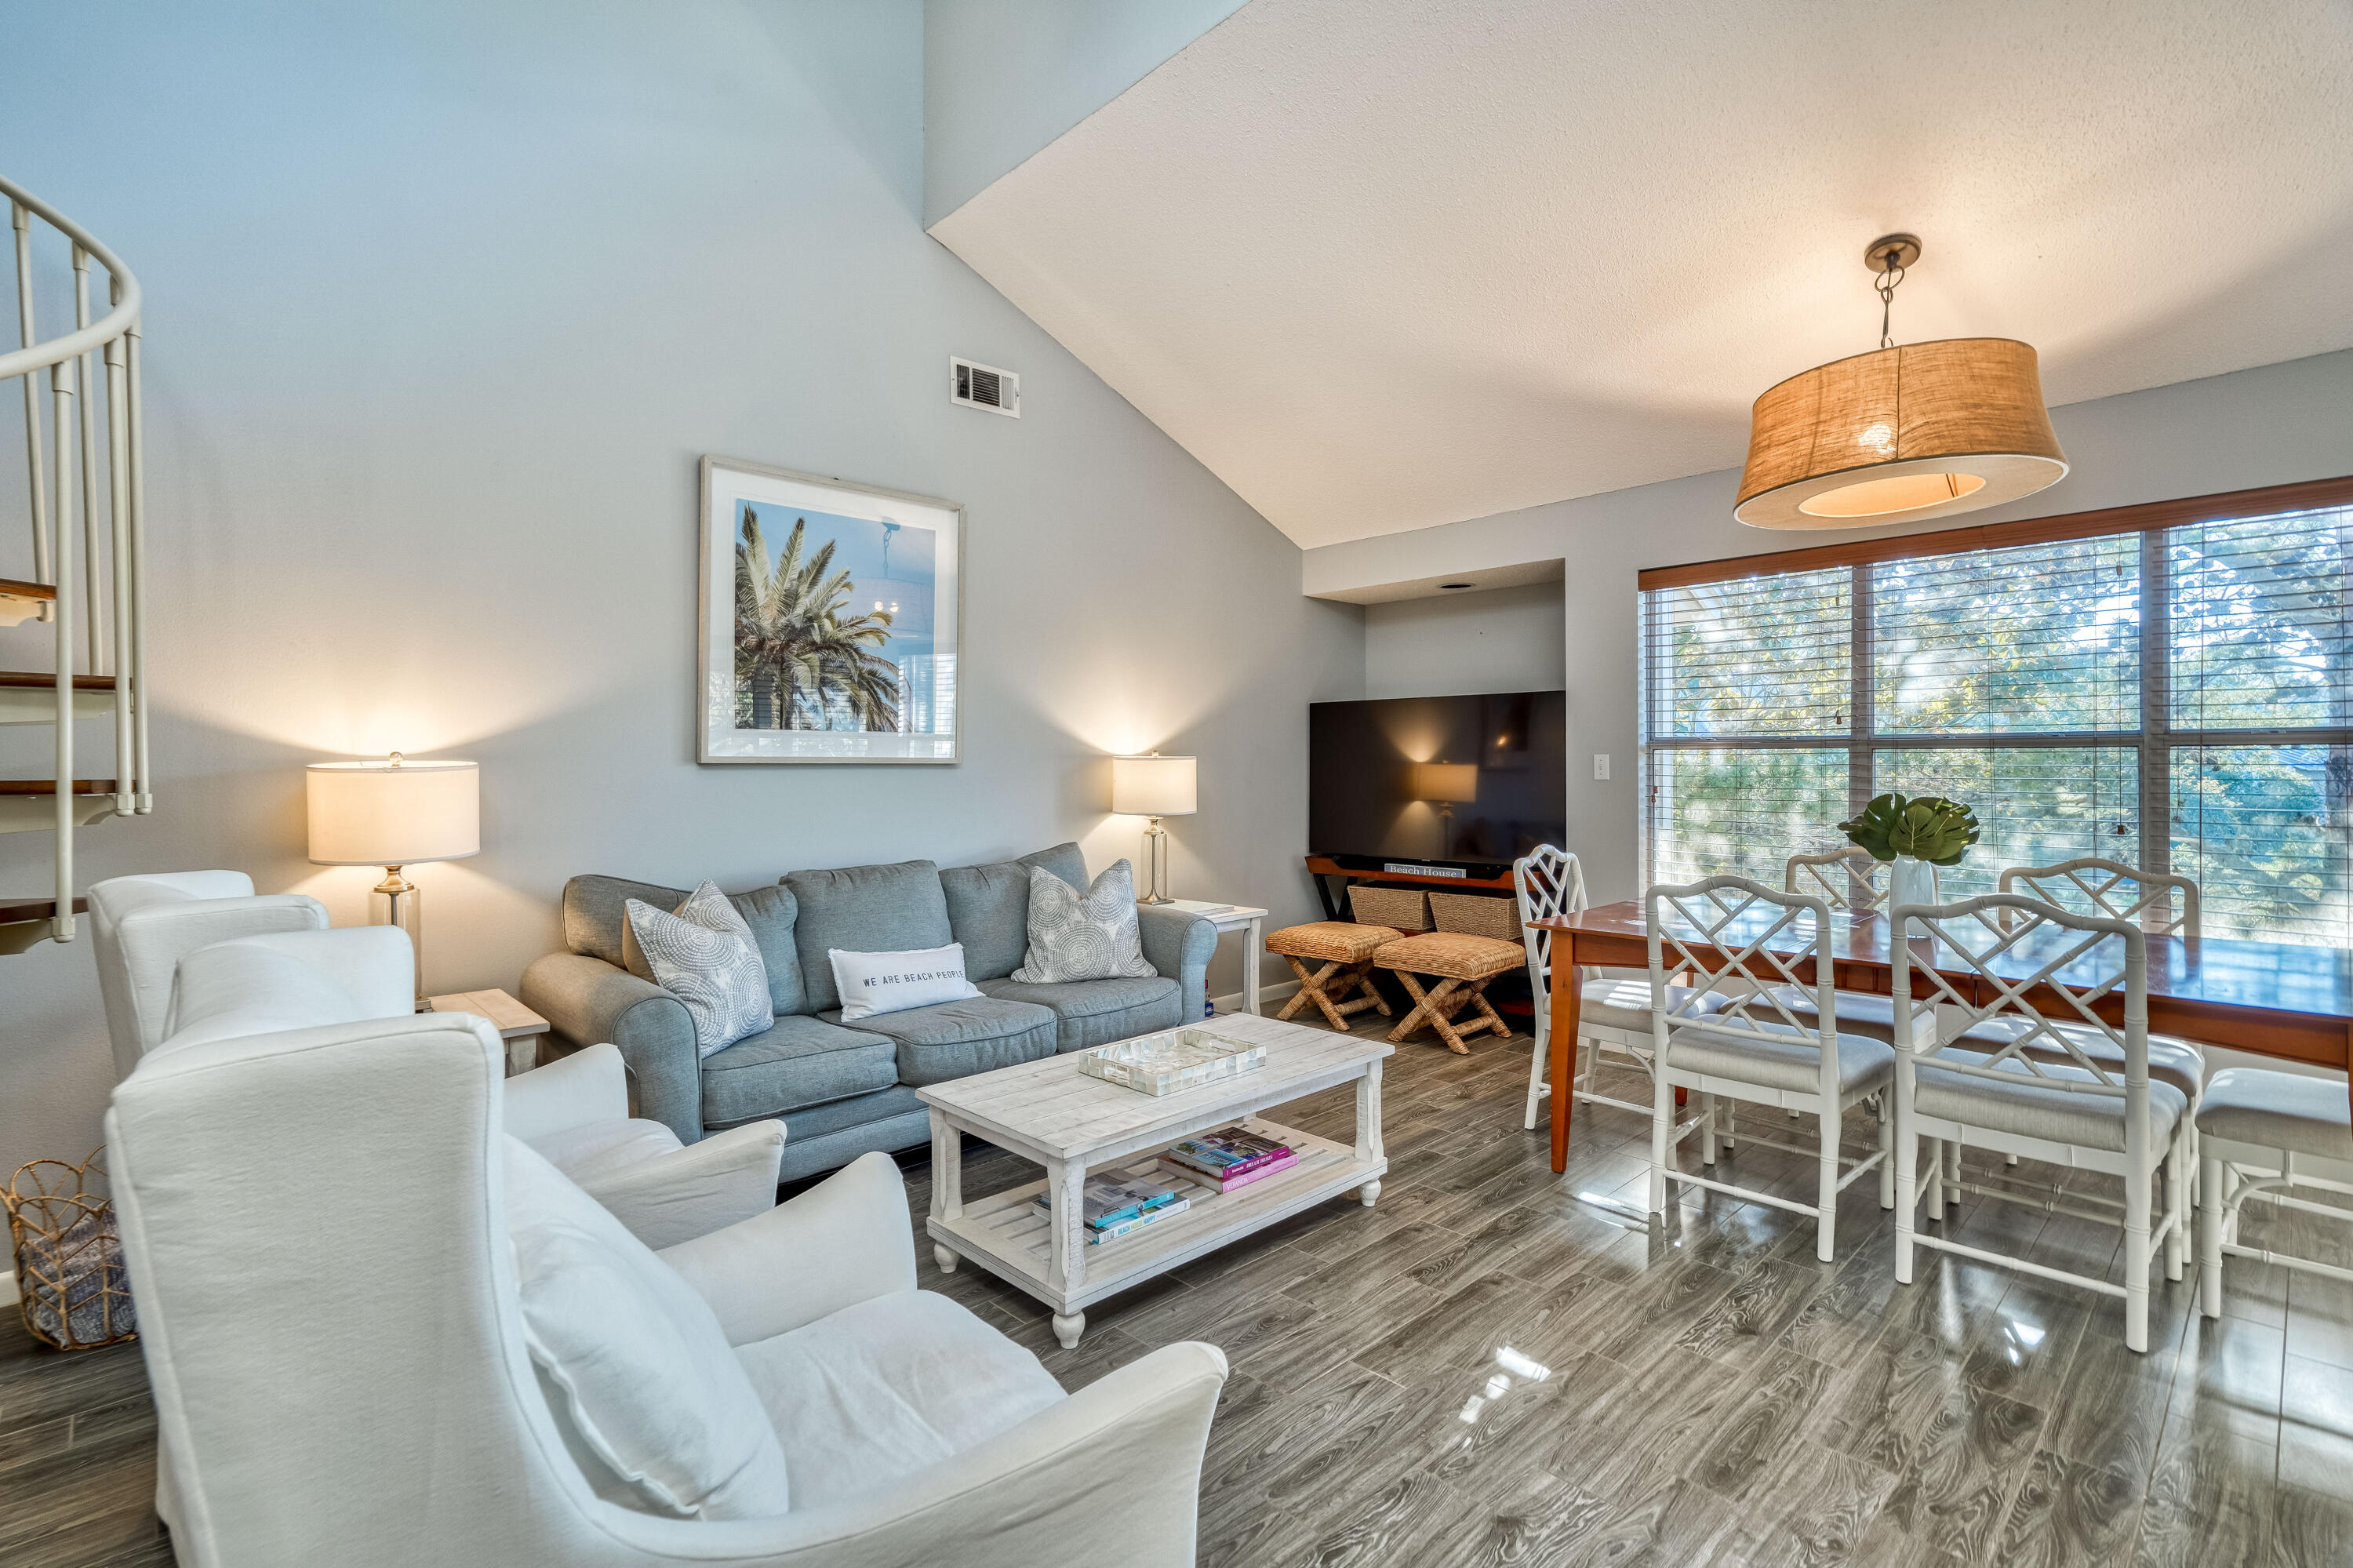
(1008, 1235)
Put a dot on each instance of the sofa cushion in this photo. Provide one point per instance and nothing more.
(799, 1062)
(1096, 1013)
(988, 905)
(869, 1396)
(595, 924)
(864, 909)
(957, 1039)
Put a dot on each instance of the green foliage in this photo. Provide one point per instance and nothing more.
(1928, 828)
(799, 660)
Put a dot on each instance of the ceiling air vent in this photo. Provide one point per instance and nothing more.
(981, 386)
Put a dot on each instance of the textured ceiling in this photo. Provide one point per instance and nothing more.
(1382, 264)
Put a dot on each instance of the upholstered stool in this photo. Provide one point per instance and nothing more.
(1347, 950)
(1462, 964)
(2264, 1134)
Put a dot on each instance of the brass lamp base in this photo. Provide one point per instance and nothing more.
(1156, 861)
(409, 917)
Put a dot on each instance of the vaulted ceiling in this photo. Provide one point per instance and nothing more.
(1382, 264)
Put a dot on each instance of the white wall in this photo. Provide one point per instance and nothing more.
(1498, 640)
(2274, 425)
(444, 301)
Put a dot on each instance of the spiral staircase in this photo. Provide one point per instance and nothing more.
(81, 587)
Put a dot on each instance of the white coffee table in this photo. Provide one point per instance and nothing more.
(1070, 1123)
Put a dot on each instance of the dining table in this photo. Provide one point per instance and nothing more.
(2281, 999)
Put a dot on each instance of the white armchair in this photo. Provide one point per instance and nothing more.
(315, 1226)
(141, 926)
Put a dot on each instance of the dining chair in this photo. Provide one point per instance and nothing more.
(1818, 875)
(2162, 902)
(1747, 944)
(2265, 1135)
(2081, 1113)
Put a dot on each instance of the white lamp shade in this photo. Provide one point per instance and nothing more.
(388, 813)
(1152, 787)
(1445, 781)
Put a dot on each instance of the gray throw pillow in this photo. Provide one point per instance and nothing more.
(705, 956)
(1086, 936)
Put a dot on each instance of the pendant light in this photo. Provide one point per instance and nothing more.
(1901, 434)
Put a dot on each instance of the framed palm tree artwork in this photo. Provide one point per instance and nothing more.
(831, 621)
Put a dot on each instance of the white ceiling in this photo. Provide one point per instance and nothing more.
(1382, 264)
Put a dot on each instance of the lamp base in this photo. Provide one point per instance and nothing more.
(1156, 861)
(406, 909)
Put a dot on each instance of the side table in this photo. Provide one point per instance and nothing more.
(1233, 918)
(517, 1024)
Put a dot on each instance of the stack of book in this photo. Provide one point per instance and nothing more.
(1114, 1206)
(1227, 1159)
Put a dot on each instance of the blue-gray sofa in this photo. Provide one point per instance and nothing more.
(843, 1090)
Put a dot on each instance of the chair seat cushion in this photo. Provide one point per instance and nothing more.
(2279, 1110)
(877, 1392)
(1773, 1063)
(799, 1061)
(2170, 1061)
(1452, 954)
(957, 1039)
(2176, 1062)
(1626, 1004)
(1096, 1013)
(594, 1150)
(2033, 1108)
(1342, 941)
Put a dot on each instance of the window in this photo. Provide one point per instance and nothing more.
(2174, 692)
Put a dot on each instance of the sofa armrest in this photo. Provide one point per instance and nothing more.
(726, 1178)
(848, 1239)
(1179, 945)
(589, 1001)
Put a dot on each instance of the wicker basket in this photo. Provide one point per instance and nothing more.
(1399, 908)
(71, 1283)
(1470, 915)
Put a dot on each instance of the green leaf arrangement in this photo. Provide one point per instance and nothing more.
(1926, 827)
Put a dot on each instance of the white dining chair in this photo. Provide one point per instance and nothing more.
(2267, 1135)
(2079, 1114)
(1748, 944)
(2162, 902)
(1848, 878)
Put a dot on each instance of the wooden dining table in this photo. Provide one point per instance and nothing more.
(2266, 999)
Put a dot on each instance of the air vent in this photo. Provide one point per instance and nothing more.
(984, 386)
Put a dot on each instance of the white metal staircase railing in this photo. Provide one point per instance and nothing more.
(94, 607)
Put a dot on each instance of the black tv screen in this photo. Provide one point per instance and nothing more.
(1380, 775)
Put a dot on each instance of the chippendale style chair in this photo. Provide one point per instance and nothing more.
(2161, 902)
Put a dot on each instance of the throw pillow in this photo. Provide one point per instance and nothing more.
(637, 1368)
(1086, 936)
(705, 956)
(892, 982)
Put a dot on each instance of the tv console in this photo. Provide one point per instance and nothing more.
(1454, 878)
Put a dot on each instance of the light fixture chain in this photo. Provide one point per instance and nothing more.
(1889, 277)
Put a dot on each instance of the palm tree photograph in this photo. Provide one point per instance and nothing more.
(806, 657)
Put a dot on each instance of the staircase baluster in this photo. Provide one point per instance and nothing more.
(23, 220)
(138, 582)
(118, 483)
(62, 384)
(93, 632)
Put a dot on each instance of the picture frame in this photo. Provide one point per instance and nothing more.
(829, 621)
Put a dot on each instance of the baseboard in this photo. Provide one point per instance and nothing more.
(1266, 993)
(8, 1288)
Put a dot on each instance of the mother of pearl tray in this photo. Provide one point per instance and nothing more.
(1171, 1061)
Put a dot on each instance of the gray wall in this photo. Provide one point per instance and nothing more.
(443, 302)
(1003, 77)
(2269, 426)
(1495, 640)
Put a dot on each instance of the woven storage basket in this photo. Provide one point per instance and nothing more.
(1399, 908)
(71, 1283)
(1473, 916)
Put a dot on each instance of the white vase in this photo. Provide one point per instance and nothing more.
(1910, 881)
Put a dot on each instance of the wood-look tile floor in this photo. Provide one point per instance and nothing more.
(1498, 1365)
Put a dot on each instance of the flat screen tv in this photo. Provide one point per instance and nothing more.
(1470, 783)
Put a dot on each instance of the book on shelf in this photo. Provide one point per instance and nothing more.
(1098, 1235)
(1111, 1200)
(1226, 1152)
(1228, 1182)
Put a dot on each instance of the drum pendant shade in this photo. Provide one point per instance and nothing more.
(1921, 430)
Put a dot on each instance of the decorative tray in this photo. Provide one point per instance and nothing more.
(1172, 1061)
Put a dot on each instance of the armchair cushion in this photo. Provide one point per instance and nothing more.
(799, 1062)
(252, 985)
(870, 1395)
(639, 1375)
(988, 905)
(957, 1039)
(1096, 1013)
(864, 909)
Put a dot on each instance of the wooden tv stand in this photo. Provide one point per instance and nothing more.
(1321, 866)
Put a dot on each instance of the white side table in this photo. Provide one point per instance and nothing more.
(518, 1025)
(1233, 918)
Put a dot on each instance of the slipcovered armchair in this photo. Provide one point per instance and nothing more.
(317, 1228)
(141, 926)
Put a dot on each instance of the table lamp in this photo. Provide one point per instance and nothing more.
(1154, 786)
(395, 813)
(1445, 783)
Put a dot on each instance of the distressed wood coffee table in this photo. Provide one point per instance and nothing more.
(1049, 1112)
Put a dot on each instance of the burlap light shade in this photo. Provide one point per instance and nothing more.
(1921, 430)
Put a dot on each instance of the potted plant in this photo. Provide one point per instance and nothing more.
(1912, 836)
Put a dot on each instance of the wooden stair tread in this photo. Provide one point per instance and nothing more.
(49, 786)
(14, 587)
(37, 909)
(38, 681)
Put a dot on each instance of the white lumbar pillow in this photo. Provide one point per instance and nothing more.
(1086, 936)
(705, 956)
(637, 1366)
(892, 982)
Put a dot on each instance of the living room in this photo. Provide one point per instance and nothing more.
(1351, 357)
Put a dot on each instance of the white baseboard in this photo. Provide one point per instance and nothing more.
(8, 1288)
(1266, 993)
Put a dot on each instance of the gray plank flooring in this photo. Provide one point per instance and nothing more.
(1497, 1365)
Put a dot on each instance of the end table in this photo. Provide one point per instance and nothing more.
(1234, 917)
(517, 1024)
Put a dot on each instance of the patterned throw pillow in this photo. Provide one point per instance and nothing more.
(705, 956)
(1086, 936)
